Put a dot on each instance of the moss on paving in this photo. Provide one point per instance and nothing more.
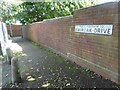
(54, 71)
(69, 67)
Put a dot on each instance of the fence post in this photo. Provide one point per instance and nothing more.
(16, 77)
(9, 55)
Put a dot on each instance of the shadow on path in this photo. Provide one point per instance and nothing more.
(42, 68)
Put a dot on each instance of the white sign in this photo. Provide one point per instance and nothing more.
(94, 29)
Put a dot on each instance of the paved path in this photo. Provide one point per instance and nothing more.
(41, 68)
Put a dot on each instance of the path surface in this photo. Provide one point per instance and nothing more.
(41, 68)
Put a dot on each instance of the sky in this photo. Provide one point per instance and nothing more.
(105, 1)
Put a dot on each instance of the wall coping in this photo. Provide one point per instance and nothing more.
(57, 18)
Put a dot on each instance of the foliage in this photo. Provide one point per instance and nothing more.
(7, 11)
(29, 12)
(38, 11)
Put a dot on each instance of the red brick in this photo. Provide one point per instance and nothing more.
(101, 50)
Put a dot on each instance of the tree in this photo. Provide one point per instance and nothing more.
(38, 11)
(29, 12)
(3, 13)
(8, 10)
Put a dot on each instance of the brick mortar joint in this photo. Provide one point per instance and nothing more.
(69, 54)
(103, 68)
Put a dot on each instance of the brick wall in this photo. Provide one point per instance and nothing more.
(52, 33)
(16, 30)
(100, 53)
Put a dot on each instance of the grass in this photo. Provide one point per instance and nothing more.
(1, 58)
(19, 54)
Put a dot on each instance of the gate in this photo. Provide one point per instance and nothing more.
(14, 30)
